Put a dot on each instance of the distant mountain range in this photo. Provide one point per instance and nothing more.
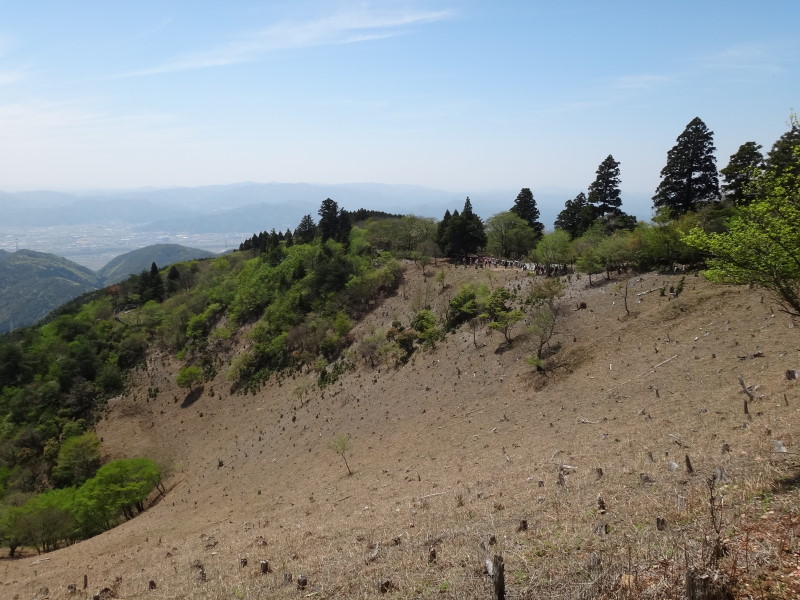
(91, 227)
(258, 206)
(33, 284)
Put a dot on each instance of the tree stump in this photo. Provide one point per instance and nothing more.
(661, 524)
(498, 578)
(242, 562)
(263, 566)
(707, 586)
(151, 585)
(593, 562)
(384, 585)
(302, 582)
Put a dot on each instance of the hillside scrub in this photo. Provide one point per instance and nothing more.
(762, 242)
(63, 516)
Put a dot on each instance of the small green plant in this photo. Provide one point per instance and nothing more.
(680, 286)
(341, 444)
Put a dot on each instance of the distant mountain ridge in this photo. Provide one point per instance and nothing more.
(140, 260)
(34, 284)
(268, 205)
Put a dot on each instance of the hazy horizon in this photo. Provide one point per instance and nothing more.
(472, 96)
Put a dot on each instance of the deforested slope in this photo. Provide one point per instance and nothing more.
(563, 473)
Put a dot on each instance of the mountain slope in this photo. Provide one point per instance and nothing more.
(460, 446)
(32, 284)
(136, 261)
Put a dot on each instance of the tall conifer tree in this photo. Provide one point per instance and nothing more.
(743, 169)
(525, 208)
(689, 180)
(604, 192)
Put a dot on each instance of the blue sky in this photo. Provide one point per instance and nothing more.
(464, 95)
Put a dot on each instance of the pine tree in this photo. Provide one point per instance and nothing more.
(443, 233)
(604, 193)
(467, 234)
(328, 219)
(577, 216)
(155, 284)
(782, 157)
(689, 179)
(525, 208)
(306, 231)
(743, 169)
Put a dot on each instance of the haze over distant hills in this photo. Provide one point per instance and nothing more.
(92, 227)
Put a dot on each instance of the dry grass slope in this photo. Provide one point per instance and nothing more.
(591, 482)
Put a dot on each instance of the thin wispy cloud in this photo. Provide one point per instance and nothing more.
(341, 28)
(750, 57)
(48, 120)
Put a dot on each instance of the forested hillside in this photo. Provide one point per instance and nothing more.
(136, 261)
(34, 283)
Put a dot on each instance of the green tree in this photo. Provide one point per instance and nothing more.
(424, 323)
(333, 223)
(306, 231)
(577, 216)
(328, 219)
(153, 285)
(509, 235)
(466, 306)
(689, 179)
(173, 280)
(118, 489)
(443, 233)
(526, 209)
(502, 317)
(78, 459)
(744, 167)
(341, 445)
(466, 234)
(554, 248)
(762, 243)
(189, 377)
(587, 256)
(44, 521)
(546, 310)
(604, 192)
(782, 157)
